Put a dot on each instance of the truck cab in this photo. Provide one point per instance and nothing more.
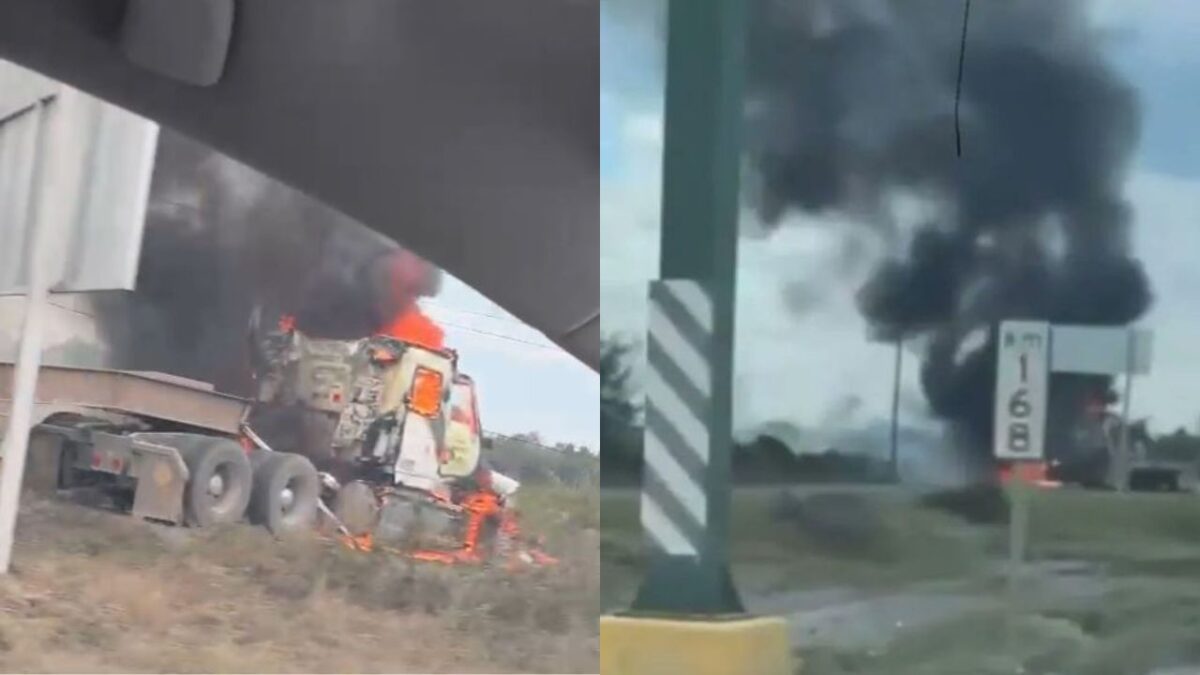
(394, 412)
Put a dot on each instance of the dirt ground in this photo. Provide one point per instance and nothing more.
(93, 591)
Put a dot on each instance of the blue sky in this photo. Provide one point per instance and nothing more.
(820, 370)
(525, 382)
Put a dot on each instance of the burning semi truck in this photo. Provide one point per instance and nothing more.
(393, 426)
(402, 463)
(355, 415)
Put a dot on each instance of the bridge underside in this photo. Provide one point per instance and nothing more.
(466, 131)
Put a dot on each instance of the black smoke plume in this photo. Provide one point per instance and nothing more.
(852, 102)
(219, 239)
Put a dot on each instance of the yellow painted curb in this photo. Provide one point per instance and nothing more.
(646, 646)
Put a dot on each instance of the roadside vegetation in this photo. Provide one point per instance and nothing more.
(95, 591)
(1113, 586)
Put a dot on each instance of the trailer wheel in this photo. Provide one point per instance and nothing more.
(218, 489)
(286, 488)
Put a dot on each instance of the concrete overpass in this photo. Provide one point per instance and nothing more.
(465, 130)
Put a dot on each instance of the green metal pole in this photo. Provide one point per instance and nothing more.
(701, 166)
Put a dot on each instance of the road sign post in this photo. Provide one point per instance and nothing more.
(1027, 352)
(894, 449)
(57, 166)
(687, 617)
(81, 184)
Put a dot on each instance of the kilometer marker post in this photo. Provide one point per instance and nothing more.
(1022, 386)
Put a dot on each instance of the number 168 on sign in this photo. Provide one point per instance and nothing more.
(1021, 384)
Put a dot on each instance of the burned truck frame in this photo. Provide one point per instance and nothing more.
(1098, 455)
(165, 447)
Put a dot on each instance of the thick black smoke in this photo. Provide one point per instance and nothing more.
(220, 238)
(853, 102)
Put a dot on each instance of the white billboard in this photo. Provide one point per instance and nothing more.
(1022, 378)
(109, 155)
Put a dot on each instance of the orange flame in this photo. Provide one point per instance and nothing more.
(407, 278)
(363, 542)
(1030, 472)
(414, 327)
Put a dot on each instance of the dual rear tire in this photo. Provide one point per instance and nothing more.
(286, 489)
(220, 478)
(277, 490)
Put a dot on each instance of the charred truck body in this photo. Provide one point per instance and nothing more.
(394, 427)
(402, 456)
(1101, 453)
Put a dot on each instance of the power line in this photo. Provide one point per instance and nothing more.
(456, 310)
(498, 336)
(962, 55)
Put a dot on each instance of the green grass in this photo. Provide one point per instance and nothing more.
(553, 508)
(1147, 544)
(1115, 528)
(906, 544)
(1130, 534)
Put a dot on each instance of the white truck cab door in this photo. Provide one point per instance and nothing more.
(418, 389)
(463, 440)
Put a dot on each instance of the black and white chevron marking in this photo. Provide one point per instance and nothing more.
(678, 400)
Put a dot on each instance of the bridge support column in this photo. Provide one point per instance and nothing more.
(687, 617)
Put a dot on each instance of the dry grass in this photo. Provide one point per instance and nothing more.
(99, 592)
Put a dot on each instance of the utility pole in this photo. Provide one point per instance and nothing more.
(894, 457)
(1126, 460)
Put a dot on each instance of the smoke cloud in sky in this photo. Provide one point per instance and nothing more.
(852, 102)
(851, 109)
(221, 237)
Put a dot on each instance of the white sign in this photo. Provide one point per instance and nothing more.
(1101, 350)
(106, 184)
(1022, 378)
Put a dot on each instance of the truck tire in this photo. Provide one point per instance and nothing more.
(357, 507)
(219, 487)
(286, 488)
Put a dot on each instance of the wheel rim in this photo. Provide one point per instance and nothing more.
(216, 485)
(286, 498)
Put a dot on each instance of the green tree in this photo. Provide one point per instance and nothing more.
(620, 426)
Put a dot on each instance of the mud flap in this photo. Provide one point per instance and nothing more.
(43, 468)
(161, 477)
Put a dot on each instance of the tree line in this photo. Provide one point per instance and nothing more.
(763, 460)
